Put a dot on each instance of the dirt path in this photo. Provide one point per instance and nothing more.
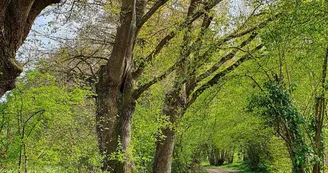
(220, 170)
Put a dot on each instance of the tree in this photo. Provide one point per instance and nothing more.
(320, 112)
(276, 106)
(117, 79)
(116, 89)
(299, 35)
(16, 19)
(193, 76)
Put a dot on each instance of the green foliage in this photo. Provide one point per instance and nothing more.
(276, 107)
(58, 117)
(49, 124)
(147, 122)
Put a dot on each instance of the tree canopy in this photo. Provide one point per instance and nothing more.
(164, 86)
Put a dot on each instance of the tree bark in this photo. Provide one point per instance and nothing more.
(9, 68)
(172, 108)
(114, 120)
(320, 112)
(115, 103)
(16, 19)
(164, 151)
(107, 122)
(116, 91)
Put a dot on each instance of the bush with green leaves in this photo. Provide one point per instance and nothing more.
(275, 106)
(46, 125)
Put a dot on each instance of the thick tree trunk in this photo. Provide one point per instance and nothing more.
(16, 19)
(164, 152)
(9, 68)
(128, 103)
(115, 103)
(172, 108)
(107, 122)
(114, 120)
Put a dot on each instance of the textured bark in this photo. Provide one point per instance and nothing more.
(16, 19)
(117, 97)
(164, 152)
(320, 112)
(172, 108)
(107, 120)
(114, 119)
(9, 69)
(115, 104)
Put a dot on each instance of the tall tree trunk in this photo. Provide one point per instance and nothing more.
(128, 103)
(115, 109)
(115, 103)
(114, 121)
(107, 122)
(320, 112)
(172, 108)
(164, 151)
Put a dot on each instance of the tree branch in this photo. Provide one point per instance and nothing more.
(156, 79)
(196, 47)
(214, 80)
(150, 13)
(224, 59)
(31, 116)
(35, 10)
(171, 35)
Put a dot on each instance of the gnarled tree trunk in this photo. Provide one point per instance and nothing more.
(16, 19)
(115, 103)
(114, 119)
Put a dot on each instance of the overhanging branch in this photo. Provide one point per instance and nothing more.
(156, 79)
(225, 58)
(150, 13)
(214, 80)
(171, 35)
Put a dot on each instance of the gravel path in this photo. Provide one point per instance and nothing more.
(220, 170)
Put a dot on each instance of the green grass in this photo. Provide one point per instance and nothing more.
(235, 166)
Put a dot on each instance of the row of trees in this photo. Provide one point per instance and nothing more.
(192, 48)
